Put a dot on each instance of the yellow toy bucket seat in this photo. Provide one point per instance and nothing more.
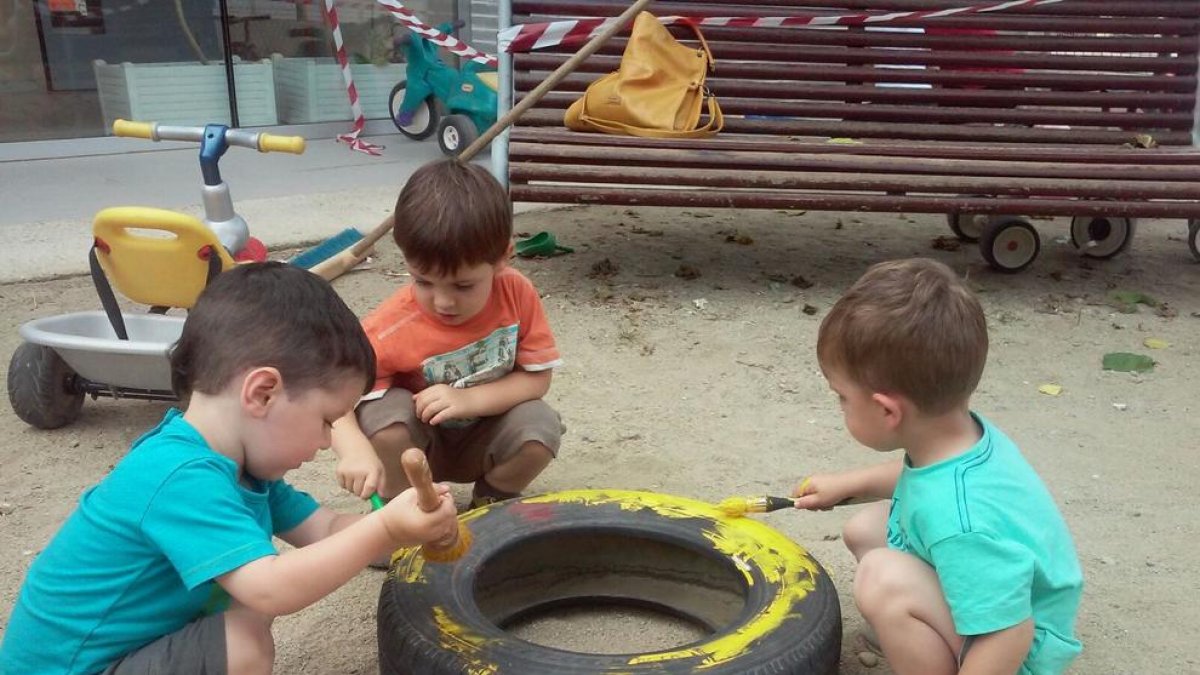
(154, 257)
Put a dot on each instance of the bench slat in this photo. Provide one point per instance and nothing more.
(1153, 8)
(603, 155)
(753, 199)
(927, 114)
(783, 127)
(532, 68)
(744, 88)
(1009, 152)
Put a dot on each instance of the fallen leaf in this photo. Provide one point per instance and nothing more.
(1156, 343)
(687, 272)
(1124, 362)
(945, 243)
(1051, 389)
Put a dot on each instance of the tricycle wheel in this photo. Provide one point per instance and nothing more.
(1193, 234)
(419, 123)
(968, 227)
(1010, 244)
(41, 387)
(1101, 237)
(455, 133)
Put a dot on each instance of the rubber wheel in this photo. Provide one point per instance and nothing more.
(41, 387)
(1193, 235)
(424, 119)
(455, 133)
(968, 227)
(1101, 237)
(1010, 244)
(764, 604)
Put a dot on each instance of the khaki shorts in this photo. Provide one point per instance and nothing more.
(196, 649)
(462, 455)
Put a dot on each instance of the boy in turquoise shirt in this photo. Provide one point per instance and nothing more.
(168, 565)
(968, 567)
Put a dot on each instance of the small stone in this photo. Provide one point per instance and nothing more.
(27, 552)
(1120, 406)
(6, 508)
(809, 310)
(687, 272)
(868, 659)
(1106, 560)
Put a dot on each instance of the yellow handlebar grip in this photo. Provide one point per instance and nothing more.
(133, 129)
(272, 143)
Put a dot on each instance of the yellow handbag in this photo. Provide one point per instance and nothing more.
(658, 90)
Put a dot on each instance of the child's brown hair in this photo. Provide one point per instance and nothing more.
(908, 327)
(452, 214)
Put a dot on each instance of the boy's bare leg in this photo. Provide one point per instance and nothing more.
(518, 472)
(249, 646)
(867, 529)
(389, 443)
(900, 596)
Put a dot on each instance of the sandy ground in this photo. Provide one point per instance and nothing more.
(709, 387)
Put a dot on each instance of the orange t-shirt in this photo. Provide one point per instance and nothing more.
(414, 350)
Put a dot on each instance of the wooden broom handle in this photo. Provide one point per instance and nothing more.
(363, 245)
(416, 468)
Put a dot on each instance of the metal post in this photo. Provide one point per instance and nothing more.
(1196, 112)
(504, 97)
(227, 51)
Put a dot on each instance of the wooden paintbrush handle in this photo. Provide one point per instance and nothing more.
(416, 468)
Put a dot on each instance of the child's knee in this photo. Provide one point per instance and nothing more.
(392, 437)
(875, 582)
(249, 645)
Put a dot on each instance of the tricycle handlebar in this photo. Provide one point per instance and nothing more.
(262, 142)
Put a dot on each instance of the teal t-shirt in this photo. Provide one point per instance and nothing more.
(989, 527)
(136, 560)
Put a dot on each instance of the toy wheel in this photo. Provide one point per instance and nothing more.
(421, 122)
(1009, 244)
(758, 602)
(41, 387)
(968, 227)
(455, 133)
(1101, 237)
(1193, 234)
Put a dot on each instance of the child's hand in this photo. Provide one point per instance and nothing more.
(409, 525)
(441, 402)
(361, 473)
(821, 492)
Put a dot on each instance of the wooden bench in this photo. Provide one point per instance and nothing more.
(989, 118)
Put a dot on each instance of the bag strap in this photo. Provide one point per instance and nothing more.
(107, 299)
(716, 121)
(712, 63)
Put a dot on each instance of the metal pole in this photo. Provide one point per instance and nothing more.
(1196, 113)
(504, 97)
(227, 51)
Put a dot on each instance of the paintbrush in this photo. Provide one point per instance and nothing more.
(736, 507)
(416, 468)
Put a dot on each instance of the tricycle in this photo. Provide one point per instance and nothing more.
(456, 102)
(154, 257)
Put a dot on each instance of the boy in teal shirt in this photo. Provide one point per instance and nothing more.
(168, 565)
(968, 567)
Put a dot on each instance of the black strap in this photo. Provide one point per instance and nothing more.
(214, 266)
(107, 299)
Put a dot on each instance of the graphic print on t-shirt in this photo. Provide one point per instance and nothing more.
(485, 360)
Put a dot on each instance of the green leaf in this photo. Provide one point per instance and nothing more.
(1124, 362)
(1126, 302)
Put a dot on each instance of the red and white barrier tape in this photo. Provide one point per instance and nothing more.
(533, 36)
(405, 16)
(360, 120)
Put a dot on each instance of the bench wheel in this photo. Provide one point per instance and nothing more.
(1009, 244)
(455, 133)
(421, 123)
(1101, 237)
(1193, 234)
(968, 227)
(41, 387)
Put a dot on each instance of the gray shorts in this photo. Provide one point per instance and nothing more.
(462, 455)
(196, 649)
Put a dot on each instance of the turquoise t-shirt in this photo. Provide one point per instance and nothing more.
(986, 523)
(136, 560)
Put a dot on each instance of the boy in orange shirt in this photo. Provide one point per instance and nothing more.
(464, 353)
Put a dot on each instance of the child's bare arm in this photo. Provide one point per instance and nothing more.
(282, 584)
(321, 524)
(440, 402)
(999, 653)
(359, 469)
(826, 490)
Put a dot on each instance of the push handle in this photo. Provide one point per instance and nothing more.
(416, 468)
(273, 143)
(133, 129)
